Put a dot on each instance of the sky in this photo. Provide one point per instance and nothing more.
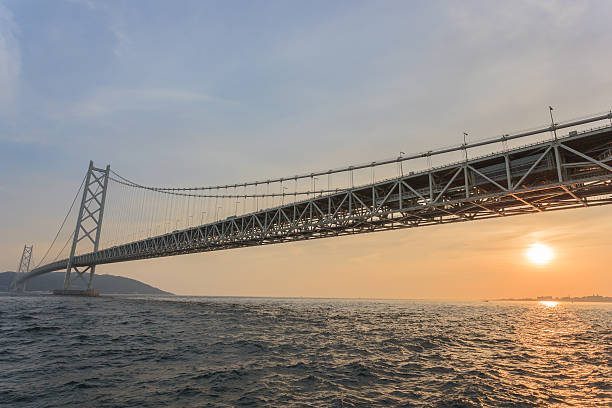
(216, 92)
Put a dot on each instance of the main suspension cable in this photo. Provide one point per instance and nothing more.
(173, 192)
(64, 247)
(401, 158)
(62, 225)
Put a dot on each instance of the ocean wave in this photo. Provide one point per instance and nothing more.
(200, 352)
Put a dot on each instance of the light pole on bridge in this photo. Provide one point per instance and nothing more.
(552, 122)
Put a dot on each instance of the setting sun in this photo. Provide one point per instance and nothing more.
(539, 254)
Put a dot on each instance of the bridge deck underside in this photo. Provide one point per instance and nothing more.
(574, 171)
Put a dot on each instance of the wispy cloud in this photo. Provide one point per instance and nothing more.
(516, 20)
(10, 60)
(88, 3)
(106, 101)
(123, 41)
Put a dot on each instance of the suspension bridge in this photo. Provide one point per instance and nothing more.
(560, 166)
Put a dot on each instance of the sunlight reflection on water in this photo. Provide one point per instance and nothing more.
(198, 351)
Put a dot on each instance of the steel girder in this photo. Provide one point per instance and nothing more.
(570, 172)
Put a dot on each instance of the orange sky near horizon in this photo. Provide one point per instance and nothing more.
(468, 260)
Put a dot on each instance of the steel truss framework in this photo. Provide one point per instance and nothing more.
(573, 171)
(89, 225)
(22, 269)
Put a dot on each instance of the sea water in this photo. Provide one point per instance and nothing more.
(223, 352)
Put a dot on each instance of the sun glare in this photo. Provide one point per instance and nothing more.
(549, 303)
(539, 254)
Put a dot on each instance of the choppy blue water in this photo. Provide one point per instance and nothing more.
(197, 352)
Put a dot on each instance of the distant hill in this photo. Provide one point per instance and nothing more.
(105, 284)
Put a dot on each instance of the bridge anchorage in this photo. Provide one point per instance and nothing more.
(554, 172)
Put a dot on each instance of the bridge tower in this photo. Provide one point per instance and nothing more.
(89, 224)
(24, 267)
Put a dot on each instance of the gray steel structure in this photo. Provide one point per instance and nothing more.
(569, 172)
(23, 268)
(89, 224)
